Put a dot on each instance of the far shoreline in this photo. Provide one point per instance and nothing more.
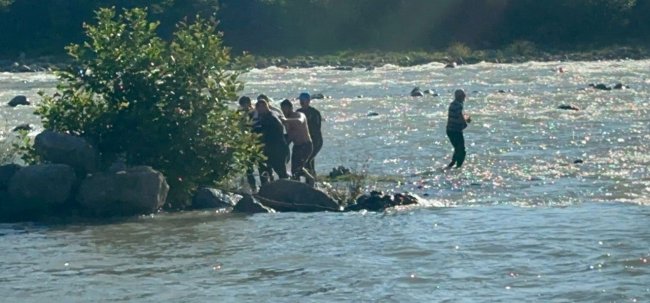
(349, 60)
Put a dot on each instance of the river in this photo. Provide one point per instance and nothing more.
(520, 222)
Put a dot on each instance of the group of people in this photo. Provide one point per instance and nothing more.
(281, 127)
(278, 129)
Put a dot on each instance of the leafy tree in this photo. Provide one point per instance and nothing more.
(153, 102)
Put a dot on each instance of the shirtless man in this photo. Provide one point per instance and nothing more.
(275, 149)
(298, 134)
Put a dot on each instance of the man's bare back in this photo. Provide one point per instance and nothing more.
(297, 129)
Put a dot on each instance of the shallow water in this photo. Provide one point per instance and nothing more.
(520, 222)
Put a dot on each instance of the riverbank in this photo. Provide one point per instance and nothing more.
(516, 53)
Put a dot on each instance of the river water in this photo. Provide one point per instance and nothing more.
(520, 222)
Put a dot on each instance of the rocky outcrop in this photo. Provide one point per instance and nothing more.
(377, 201)
(67, 149)
(42, 187)
(292, 196)
(249, 205)
(206, 198)
(339, 172)
(19, 100)
(134, 191)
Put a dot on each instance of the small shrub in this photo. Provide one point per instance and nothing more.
(458, 51)
(521, 48)
(154, 102)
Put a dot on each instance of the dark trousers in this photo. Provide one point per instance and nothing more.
(458, 141)
(311, 165)
(299, 156)
(275, 161)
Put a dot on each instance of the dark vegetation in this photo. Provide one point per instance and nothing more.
(317, 27)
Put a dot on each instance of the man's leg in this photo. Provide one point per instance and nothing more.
(278, 163)
(460, 158)
(311, 163)
(452, 139)
(299, 158)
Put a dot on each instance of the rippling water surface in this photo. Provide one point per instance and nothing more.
(521, 222)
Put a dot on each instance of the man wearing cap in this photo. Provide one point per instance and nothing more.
(314, 120)
(457, 122)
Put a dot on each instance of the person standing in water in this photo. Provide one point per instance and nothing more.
(314, 120)
(275, 148)
(457, 122)
(298, 134)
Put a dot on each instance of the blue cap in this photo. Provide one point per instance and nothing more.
(304, 96)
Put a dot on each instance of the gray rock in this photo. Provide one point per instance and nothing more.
(416, 92)
(19, 100)
(317, 96)
(377, 201)
(67, 149)
(568, 107)
(24, 126)
(287, 195)
(249, 205)
(41, 187)
(213, 198)
(134, 191)
(6, 173)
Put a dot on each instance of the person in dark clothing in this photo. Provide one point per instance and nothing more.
(275, 148)
(298, 134)
(314, 120)
(457, 122)
(250, 118)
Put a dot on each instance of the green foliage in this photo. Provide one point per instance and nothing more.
(458, 51)
(521, 48)
(153, 102)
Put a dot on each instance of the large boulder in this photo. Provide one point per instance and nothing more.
(19, 100)
(286, 195)
(67, 149)
(6, 173)
(206, 198)
(134, 191)
(40, 188)
(249, 205)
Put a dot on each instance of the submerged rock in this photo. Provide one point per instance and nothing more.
(416, 92)
(377, 201)
(23, 127)
(134, 191)
(249, 205)
(568, 107)
(19, 100)
(206, 198)
(67, 149)
(317, 96)
(373, 114)
(600, 86)
(620, 86)
(451, 65)
(292, 196)
(344, 68)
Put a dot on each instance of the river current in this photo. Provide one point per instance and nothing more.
(521, 222)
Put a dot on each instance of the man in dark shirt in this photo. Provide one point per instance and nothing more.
(249, 117)
(456, 123)
(275, 149)
(314, 120)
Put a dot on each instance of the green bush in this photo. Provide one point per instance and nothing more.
(458, 51)
(153, 102)
(521, 48)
